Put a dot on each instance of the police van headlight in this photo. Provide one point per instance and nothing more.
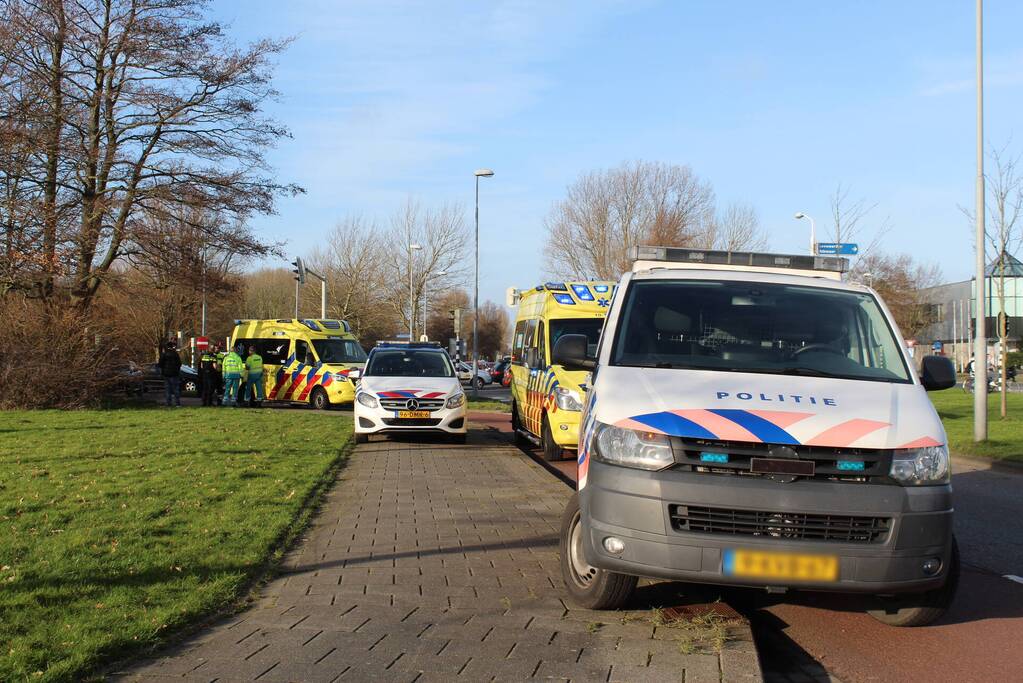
(368, 400)
(456, 400)
(632, 448)
(567, 399)
(921, 466)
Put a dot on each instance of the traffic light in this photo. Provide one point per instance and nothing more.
(455, 316)
(299, 270)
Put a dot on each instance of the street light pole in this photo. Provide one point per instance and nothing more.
(411, 299)
(980, 334)
(480, 173)
(813, 232)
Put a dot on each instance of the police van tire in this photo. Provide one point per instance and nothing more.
(587, 586)
(921, 609)
(551, 450)
(361, 438)
(319, 399)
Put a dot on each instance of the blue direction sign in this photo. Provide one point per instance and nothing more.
(837, 248)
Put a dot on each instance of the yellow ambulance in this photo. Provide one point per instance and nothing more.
(304, 361)
(547, 399)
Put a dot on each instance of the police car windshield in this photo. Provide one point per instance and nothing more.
(590, 327)
(409, 363)
(339, 351)
(759, 328)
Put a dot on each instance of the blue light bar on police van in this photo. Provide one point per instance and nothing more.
(739, 258)
(565, 299)
(583, 292)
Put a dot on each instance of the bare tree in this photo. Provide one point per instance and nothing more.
(439, 264)
(900, 281)
(268, 293)
(737, 228)
(126, 106)
(606, 212)
(847, 218)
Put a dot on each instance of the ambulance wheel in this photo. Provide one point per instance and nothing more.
(921, 609)
(587, 586)
(551, 450)
(520, 440)
(319, 399)
(361, 438)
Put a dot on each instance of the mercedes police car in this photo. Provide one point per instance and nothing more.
(409, 388)
(753, 420)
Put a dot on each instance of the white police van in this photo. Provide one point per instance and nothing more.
(754, 420)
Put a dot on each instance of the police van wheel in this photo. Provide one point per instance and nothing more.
(319, 399)
(587, 586)
(920, 609)
(551, 450)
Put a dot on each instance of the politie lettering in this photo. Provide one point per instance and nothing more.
(779, 398)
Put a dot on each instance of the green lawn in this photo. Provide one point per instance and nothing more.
(118, 526)
(1005, 437)
(484, 403)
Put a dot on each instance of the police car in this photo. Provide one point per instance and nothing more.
(754, 420)
(409, 388)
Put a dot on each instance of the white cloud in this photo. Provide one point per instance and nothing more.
(948, 76)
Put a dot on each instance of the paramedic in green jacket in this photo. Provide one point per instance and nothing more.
(232, 369)
(254, 383)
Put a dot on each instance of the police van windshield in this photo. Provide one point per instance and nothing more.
(339, 351)
(409, 363)
(587, 326)
(757, 327)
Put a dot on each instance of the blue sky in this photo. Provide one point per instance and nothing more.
(774, 103)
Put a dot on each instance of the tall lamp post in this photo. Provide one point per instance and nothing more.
(411, 297)
(480, 173)
(813, 232)
(980, 336)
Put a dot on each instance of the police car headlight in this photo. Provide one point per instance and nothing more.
(921, 466)
(456, 400)
(632, 448)
(567, 399)
(368, 400)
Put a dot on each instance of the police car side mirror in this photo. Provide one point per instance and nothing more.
(937, 372)
(570, 353)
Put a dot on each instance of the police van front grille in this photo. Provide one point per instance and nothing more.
(430, 404)
(787, 525)
(876, 463)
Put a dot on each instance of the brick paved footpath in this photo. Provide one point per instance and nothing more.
(431, 562)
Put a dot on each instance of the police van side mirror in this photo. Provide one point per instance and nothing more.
(937, 372)
(570, 353)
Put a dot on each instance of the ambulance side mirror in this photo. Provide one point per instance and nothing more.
(937, 372)
(570, 353)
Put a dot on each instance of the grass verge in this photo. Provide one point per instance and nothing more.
(1005, 437)
(120, 527)
(484, 403)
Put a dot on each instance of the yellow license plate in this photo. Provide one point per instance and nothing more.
(756, 564)
(413, 414)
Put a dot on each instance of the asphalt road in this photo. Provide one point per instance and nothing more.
(818, 637)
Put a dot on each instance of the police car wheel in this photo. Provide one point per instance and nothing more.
(921, 609)
(588, 586)
(319, 399)
(362, 438)
(551, 450)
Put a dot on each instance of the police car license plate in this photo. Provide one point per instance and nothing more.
(413, 414)
(756, 564)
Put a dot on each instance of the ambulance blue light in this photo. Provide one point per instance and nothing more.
(714, 457)
(851, 465)
(564, 299)
(600, 289)
(583, 292)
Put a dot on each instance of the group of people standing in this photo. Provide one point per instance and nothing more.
(233, 378)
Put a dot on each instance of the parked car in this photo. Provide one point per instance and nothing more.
(464, 371)
(497, 373)
(153, 381)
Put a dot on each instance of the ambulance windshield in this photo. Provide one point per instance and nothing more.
(339, 351)
(759, 328)
(590, 327)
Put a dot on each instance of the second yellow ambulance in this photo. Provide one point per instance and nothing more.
(546, 398)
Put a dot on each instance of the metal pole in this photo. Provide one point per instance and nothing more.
(476, 299)
(980, 339)
(411, 303)
(203, 326)
(297, 285)
(323, 298)
(813, 236)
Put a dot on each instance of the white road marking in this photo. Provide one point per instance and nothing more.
(1013, 577)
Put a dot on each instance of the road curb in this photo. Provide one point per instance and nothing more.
(1008, 466)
